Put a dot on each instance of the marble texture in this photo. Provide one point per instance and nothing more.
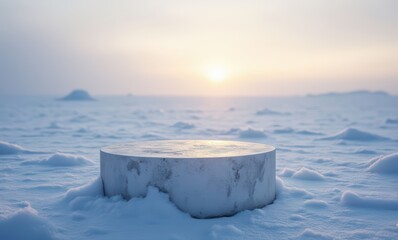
(205, 178)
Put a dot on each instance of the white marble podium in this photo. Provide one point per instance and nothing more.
(204, 178)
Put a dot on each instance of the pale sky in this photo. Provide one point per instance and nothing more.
(217, 47)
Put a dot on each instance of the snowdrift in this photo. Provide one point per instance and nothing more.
(25, 223)
(7, 148)
(62, 160)
(387, 164)
(303, 174)
(352, 199)
(391, 121)
(183, 125)
(251, 133)
(90, 198)
(267, 111)
(352, 134)
(91, 189)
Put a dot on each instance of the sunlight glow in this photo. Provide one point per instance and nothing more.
(216, 74)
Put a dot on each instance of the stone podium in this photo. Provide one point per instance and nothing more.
(205, 178)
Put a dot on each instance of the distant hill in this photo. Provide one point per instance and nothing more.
(359, 93)
(78, 95)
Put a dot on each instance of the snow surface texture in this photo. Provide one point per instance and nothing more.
(203, 178)
(351, 202)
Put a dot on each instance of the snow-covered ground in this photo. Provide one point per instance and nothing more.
(337, 166)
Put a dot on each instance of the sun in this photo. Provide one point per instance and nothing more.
(216, 74)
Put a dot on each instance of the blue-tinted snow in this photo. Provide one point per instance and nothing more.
(344, 187)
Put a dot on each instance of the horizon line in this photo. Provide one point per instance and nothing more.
(203, 95)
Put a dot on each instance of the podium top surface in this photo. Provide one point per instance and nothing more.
(187, 149)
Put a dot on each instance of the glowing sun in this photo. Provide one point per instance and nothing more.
(216, 74)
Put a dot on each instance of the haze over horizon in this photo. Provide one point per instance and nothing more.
(267, 48)
(60, 95)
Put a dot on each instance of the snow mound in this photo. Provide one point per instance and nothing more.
(308, 133)
(289, 130)
(7, 148)
(283, 130)
(312, 203)
(282, 191)
(352, 134)
(364, 151)
(95, 231)
(391, 121)
(155, 206)
(252, 133)
(183, 125)
(311, 234)
(78, 95)
(25, 224)
(152, 136)
(297, 217)
(359, 93)
(286, 172)
(267, 111)
(83, 130)
(62, 160)
(91, 189)
(352, 199)
(54, 125)
(81, 119)
(226, 232)
(231, 131)
(308, 174)
(387, 164)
